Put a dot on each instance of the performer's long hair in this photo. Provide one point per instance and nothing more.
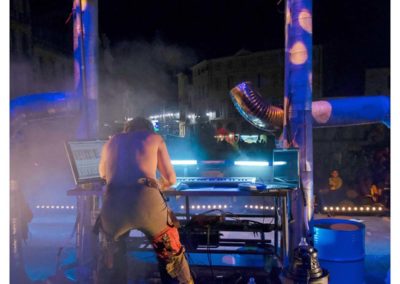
(138, 124)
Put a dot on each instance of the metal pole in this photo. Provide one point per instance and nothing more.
(85, 64)
(85, 18)
(17, 222)
(90, 24)
(297, 130)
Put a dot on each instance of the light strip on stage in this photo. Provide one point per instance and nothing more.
(366, 209)
(203, 206)
(55, 207)
(184, 162)
(259, 207)
(251, 163)
(213, 162)
(279, 163)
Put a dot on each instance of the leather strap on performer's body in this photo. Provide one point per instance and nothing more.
(150, 182)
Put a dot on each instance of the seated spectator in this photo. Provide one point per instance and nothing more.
(330, 193)
(376, 193)
(335, 183)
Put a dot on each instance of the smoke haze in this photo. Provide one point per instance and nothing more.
(135, 78)
(139, 78)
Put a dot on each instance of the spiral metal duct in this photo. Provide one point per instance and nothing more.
(255, 109)
(325, 113)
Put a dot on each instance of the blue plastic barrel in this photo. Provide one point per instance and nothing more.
(339, 239)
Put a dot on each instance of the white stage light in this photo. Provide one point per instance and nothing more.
(251, 163)
(184, 162)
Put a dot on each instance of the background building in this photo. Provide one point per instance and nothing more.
(357, 152)
(204, 90)
(377, 81)
(40, 55)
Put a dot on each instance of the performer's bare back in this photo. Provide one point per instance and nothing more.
(126, 157)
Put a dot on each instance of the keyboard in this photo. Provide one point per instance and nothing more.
(214, 181)
(243, 183)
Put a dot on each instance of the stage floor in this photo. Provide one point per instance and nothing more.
(49, 233)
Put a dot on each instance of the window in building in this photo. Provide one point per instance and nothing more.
(230, 82)
(25, 45)
(41, 63)
(52, 69)
(12, 41)
(263, 81)
(18, 9)
(12, 9)
(217, 83)
(26, 8)
(252, 61)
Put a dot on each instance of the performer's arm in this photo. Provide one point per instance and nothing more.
(102, 164)
(168, 176)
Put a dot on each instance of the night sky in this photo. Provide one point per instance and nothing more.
(216, 28)
(219, 28)
(355, 34)
(211, 28)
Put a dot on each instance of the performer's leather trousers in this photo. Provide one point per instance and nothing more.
(141, 208)
(170, 253)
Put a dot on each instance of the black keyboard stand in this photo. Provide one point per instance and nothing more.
(280, 216)
(88, 203)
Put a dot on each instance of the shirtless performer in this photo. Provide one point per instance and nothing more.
(133, 200)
